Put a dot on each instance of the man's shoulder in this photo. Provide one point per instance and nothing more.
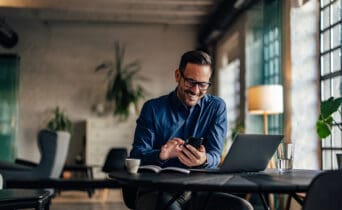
(157, 101)
(214, 100)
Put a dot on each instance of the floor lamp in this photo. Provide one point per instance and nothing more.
(265, 100)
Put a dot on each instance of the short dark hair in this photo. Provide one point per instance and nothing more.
(196, 57)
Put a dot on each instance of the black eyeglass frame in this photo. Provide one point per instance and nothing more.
(191, 83)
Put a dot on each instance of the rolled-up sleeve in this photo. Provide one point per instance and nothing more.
(216, 136)
(144, 139)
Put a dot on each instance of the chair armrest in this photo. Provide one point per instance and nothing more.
(25, 162)
(7, 166)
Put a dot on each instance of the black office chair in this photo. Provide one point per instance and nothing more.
(325, 192)
(115, 160)
(218, 201)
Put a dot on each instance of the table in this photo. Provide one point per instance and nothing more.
(84, 170)
(268, 181)
(19, 198)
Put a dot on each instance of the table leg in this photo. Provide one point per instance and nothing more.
(90, 176)
(297, 198)
(264, 202)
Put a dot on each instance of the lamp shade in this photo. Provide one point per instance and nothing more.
(265, 99)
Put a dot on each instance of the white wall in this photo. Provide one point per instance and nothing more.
(57, 68)
(304, 90)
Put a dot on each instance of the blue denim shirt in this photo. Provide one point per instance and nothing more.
(166, 117)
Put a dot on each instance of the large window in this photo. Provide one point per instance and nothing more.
(272, 56)
(331, 73)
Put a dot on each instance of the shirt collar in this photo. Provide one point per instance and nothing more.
(179, 104)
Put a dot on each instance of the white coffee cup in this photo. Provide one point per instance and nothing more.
(132, 165)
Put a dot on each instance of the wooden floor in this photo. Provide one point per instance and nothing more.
(78, 200)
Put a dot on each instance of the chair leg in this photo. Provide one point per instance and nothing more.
(288, 202)
(264, 202)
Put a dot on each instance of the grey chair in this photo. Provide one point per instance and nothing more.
(1, 182)
(325, 192)
(53, 147)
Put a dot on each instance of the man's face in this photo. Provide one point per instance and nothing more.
(192, 83)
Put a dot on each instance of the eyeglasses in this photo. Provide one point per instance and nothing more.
(202, 86)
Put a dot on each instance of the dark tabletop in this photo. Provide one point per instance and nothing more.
(267, 181)
(9, 195)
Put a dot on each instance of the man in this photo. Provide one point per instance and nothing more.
(166, 122)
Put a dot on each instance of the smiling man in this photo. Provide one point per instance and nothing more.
(166, 122)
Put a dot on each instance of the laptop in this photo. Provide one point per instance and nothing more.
(248, 153)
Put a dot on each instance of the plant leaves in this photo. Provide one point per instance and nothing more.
(59, 121)
(328, 107)
(325, 120)
(323, 130)
(121, 91)
(103, 66)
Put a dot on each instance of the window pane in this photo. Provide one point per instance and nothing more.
(326, 142)
(276, 66)
(326, 93)
(335, 12)
(324, 2)
(336, 60)
(336, 133)
(266, 53)
(325, 16)
(271, 50)
(277, 48)
(325, 41)
(334, 159)
(337, 86)
(336, 36)
(326, 157)
(325, 63)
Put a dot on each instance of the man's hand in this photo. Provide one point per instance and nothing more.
(190, 156)
(171, 149)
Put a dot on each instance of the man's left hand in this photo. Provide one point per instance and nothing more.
(190, 156)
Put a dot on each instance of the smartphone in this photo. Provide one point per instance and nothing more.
(195, 142)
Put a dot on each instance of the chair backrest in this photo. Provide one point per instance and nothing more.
(63, 142)
(53, 147)
(115, 160)
(325, 192)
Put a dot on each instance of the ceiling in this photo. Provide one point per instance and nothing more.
(183, 12)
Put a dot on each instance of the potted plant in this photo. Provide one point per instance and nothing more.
(121, 90)
(326, 120)
(59, 121)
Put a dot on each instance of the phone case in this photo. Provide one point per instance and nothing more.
(195, 142)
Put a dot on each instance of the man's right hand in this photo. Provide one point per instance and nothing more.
(171, 148)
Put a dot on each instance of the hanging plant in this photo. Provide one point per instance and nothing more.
(121, 91)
